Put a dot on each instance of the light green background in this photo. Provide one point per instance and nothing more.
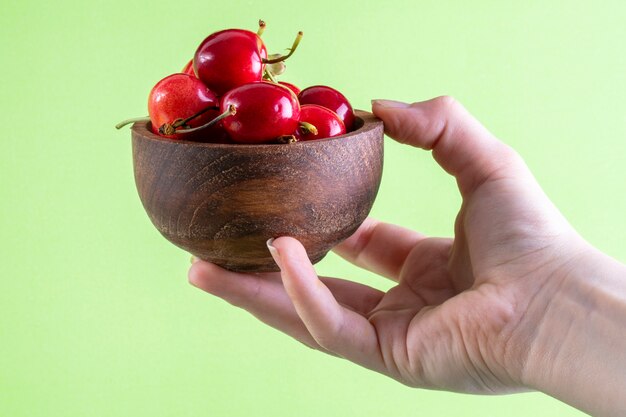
(96, 315)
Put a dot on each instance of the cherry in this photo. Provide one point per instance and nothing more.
(331, 99)
(290, 86)
(254, 107)
(228, 59)
(325, 122)
(264, 112)
(188, 68)
(259, 43)
(254, 37)
(233, 57)
(286, 85)
(175, 99)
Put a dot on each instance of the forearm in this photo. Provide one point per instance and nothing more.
(579, 349)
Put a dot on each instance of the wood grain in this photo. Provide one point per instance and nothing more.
(221, 202)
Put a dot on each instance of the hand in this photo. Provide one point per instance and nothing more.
(467, 314)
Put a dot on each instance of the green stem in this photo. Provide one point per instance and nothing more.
(293, 48)
(261, 27)
(133, 120)
(271, 77)
(183, 122)
(308, 127)
(229, 112)
(170, 128)
(287, 139)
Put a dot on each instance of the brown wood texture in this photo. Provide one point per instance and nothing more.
(222, 202)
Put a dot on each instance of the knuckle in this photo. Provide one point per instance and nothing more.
(325, 342)
(447, 104)
(510, 156)
(329, 337)
(253, 291)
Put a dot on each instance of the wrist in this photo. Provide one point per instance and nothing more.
(578, 349)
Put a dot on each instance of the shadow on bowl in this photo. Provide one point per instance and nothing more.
(222, 202)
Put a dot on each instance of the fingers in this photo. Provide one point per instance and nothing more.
(357, 297)
(262, 295)
(460, 144)
(379, 247)
(335, 328)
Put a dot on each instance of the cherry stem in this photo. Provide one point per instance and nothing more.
(287, 139)
(184, 122)
(229, 112)
(133, 120)
(170, 128)
(261, 28)
(293, 48)
(270, 77)
(308, 127)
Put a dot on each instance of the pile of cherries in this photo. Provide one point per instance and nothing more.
(228, 93)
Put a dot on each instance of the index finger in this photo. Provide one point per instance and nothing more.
(379, 247)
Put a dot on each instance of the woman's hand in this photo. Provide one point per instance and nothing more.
(469, 314)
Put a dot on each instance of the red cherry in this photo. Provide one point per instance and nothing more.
(283, 85)
(188, 68)
(327, 123)
(234, 57)
(290, 86)
(228, 59)
(331, 99)
(264, 112)
(178, 97)
(254, 37)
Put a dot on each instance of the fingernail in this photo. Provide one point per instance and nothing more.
(274, 252)
(390, 103)
(194, 259)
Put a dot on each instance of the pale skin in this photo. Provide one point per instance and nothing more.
(516, 301)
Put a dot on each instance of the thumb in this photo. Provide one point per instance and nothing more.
(460, 144)
(334, 327)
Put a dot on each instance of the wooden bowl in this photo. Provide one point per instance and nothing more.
(222, 202)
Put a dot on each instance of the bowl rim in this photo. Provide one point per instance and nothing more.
(370, 122)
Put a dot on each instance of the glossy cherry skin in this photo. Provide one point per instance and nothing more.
(331, 99)
(284, 85)
(229, 58)
(179, 96)
(264, 112)
(255, 38)
(188, 68)
(290, 86)
(326, 121)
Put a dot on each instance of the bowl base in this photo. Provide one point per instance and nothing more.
(256, 265)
